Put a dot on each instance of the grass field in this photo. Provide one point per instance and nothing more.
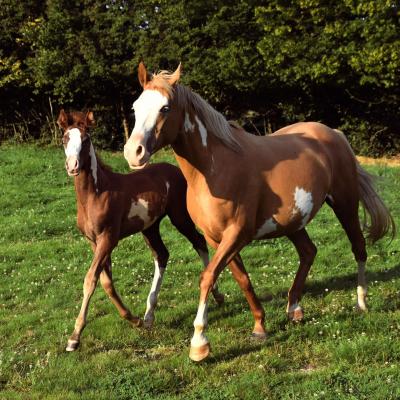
(336, 353)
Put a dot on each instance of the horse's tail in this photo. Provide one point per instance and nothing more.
(381, 221)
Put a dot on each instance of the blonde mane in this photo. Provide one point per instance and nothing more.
(215, 123)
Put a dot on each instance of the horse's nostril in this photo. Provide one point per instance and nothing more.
(139, 150)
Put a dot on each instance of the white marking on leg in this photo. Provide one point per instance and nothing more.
(200, 323)
(202, 130)
(304, 204)
(140, 209)
(188, 125)
(362, 287)
(72, 345)
(268, 226)
(294, 307)
(93, 165)
(168, 186)
(153, 294)
(74, 144)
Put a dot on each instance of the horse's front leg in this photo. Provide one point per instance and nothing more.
(232, 242)
(108, 286)
(102, 252)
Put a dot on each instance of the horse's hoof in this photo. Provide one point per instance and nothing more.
(362, 308)
(199, 353)
(72, 345)
(258, 336)
(296, 315)
(136, 322)
(219, 299)
(148, 323)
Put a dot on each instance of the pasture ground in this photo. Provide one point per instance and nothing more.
(336, 353)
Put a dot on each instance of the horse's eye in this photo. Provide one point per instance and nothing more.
(164, 109)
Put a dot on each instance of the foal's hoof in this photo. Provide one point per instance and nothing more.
(219, 298)
(136, 322)
(296, 315)
(361, 307)
(199, 353)
(258, 336)
(72, 345)
(148, 323)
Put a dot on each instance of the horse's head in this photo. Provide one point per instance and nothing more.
(76, 139)
(154, 123)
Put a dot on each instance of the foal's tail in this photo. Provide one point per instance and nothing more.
(381, 220)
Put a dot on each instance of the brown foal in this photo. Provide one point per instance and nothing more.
(111, 206)
(243, 187)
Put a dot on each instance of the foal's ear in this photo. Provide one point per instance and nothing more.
(62, 120)
(90, 121)
(143, 75)
(174, 78)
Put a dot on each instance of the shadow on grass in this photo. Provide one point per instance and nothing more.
(237, 304)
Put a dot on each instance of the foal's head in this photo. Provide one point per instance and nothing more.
(154, 109)
(76, 139)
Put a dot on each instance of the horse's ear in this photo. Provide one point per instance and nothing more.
(62, 120)
(174, 78)
(143, 75)
(90, 121)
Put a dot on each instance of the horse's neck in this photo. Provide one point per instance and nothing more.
(198, 154)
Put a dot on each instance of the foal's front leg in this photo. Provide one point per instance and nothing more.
(108, 286)
(101, 253)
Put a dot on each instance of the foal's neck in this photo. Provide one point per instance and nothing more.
(89, 179)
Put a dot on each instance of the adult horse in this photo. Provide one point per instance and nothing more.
(111, 206)
(243, 187)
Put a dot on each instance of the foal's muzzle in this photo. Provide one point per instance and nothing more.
(72, 166)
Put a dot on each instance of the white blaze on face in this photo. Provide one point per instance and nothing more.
(140, 209)
(188, 125)
(304, 204)
(202, 130)
(74, 144)
(147, 107)
(268, 226)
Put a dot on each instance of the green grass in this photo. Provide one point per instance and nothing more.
(336, 353)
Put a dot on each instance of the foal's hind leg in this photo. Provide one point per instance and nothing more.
(160, 255)
(348, 217)
(307, 251)
(182, 221)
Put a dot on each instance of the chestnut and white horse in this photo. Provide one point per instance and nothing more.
(111, 206)
(243, 187)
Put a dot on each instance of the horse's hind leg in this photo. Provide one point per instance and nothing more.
(184, 224)
(348, 217)
(160, 255)
(307, 251)
(108, 286)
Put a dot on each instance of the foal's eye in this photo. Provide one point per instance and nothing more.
(164, 109)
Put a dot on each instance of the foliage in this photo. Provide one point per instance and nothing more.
(336, 353)
(264, 63)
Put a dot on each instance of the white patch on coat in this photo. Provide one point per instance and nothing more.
(188, 125)
(200, 323)
(268, 226)
(74, 144)
(147, 108)
(140, 209)
(153, 294)
(168, 186)
(202, 130)
(93, 164)
(304, 204)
